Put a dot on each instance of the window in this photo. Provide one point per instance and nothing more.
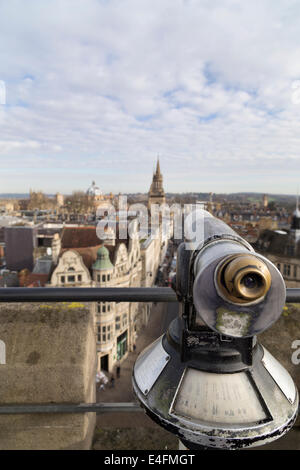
(71, 278)
(104, 308)
(104, 333)
(63, 279)
(278, 266)
(98, 333)
(295, 271)
(124, 322)
(103, 278)
(290, 250)
(79, 277)
(108, 277)
(118, 323)
(98, 277)
(286, 269)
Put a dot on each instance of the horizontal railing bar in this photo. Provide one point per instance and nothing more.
(70, 408)
(87, 294)
(292, 295)
(101, 294)
(55, 408)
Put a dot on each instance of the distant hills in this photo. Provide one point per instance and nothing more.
(18, 195)
(247, 196)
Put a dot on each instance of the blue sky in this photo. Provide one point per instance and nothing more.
(95, 90)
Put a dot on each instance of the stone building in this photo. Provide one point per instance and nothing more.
(265, 201)
(97, 198)
(282, 247)
(86, 261)
(156, 194)
(59, 200)
(150, 256)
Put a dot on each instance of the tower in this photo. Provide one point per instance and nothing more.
(295, 225)
(265, 201)
(156, 194)
(59, 199)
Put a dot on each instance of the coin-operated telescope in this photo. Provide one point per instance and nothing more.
(207, 379)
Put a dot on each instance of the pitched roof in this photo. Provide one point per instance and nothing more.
(79, 237)
(88, 254)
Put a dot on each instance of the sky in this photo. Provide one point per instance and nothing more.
(96, 89)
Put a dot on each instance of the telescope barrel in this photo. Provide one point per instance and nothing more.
(236, 291)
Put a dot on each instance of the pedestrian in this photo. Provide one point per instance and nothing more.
(118, 371)
(134, 347)
(112, 381)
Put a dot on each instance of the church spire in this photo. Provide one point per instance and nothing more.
(157, 166)
(156, 193)
(296, 216)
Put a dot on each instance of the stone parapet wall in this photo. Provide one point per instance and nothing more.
(50, 358)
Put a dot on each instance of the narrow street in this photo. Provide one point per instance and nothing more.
(161, 316)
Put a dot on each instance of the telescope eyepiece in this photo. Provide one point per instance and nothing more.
(251, 281)
(243, 278)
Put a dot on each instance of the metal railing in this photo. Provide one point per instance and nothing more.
(101, 294)
(91, 294)
(88, 294)
(70, 408)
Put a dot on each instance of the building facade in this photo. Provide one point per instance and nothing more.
(282, 247)
(93, 263)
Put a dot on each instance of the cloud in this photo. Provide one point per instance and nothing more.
(98, 88)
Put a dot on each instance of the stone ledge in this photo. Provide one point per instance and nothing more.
(50, 358)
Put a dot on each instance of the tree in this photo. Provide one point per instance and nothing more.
(79, 203)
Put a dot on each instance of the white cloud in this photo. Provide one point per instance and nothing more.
(98, 88)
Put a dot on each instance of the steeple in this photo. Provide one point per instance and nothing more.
(157, 167)
(295, 226)
(156, 193)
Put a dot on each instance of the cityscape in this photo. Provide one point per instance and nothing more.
(52, 241)
(149, 228)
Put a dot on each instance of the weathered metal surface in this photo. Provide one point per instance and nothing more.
(171, 406)
(280, 376)
(217, 398)
(149, 365)
(229, 318)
